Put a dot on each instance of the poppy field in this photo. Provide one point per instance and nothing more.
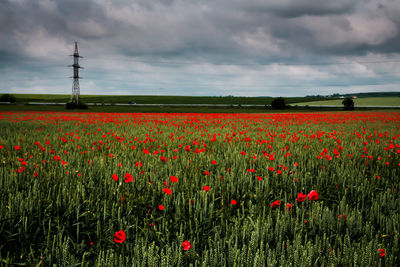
(158, 189)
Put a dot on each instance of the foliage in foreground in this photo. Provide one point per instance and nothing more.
(70, 182)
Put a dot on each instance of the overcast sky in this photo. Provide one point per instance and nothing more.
(200, 47)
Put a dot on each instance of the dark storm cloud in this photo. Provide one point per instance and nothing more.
(200, 28)
(297, 8)
(112, 33)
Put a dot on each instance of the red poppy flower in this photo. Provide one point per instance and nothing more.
(186, 245)
(160, 207)
(207, 173)
(17, 147)
(174, 179)
(276, 203)
(206, 188)
(313, 195)
(301, 197)
(128, 178)
(119, 237)
(233, 202)
(259, 178)
(138, 164)
(382, 252)
(115, 177)
(167, 191)
(213, 162)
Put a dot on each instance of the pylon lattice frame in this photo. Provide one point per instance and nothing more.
(75, 84)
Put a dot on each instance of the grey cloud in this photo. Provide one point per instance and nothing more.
(297, 8)
(215, 32)
(197, 29)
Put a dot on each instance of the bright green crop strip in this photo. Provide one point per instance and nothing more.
(70, 182)
(368, 101)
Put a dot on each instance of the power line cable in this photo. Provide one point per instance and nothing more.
(254, 64)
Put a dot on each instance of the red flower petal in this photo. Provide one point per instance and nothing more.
(313, 195)
(301, 197)
(174, 179)
(382, 252)
(276, 203)
(128, 178)
(119, 237)
(186, 245)
(167, 191)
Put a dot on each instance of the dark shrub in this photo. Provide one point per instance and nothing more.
(8, 98)
(348, 104)
(278, 103)
(74, 105)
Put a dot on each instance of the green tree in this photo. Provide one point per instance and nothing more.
(74, 105)
(8, 98)
(348, 104)
(278, 103)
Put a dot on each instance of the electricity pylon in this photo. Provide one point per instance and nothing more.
(75, 84)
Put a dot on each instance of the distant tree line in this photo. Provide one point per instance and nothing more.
(358, 95)
(8, 98)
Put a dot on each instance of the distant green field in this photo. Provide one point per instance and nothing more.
(369, 101)
(149, 99)
(151, 109)
(178, 109)
(156, 99)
